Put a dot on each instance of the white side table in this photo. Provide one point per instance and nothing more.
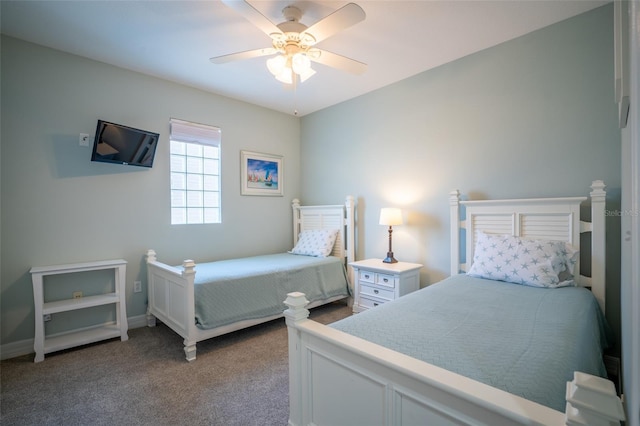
(377, 282)
(43, 344)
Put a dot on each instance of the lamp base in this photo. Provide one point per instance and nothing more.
(390, 258)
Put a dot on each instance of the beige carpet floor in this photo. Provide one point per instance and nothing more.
(237, 379)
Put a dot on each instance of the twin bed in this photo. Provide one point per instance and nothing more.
(210, 299)
(497, 345)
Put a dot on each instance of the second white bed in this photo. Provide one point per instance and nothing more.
(207, 300)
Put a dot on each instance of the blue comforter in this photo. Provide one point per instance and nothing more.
(255, 287)
(524, 340)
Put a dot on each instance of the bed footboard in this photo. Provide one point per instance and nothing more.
(383, 387)
(171, 299)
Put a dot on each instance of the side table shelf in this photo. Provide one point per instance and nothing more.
(46, 344)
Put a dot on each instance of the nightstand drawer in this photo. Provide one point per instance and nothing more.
(369, 303)
(377, 282)
(367, 276)
(386, 280)
(383, 293)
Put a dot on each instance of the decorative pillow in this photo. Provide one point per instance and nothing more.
(315, 242)
(571, 258)
(536, 263)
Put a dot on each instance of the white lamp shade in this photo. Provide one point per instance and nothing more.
(276, 64)
(300, 63)
(390, 216)
(306, 74)
(285, 76)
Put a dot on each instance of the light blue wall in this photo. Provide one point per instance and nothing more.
(59, 207)
(533, 117)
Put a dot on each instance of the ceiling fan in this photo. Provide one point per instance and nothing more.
(294, 42)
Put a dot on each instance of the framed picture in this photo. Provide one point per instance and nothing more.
(261, 174)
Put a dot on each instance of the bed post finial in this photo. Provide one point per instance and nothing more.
(598, 242)
(189, 267)
(454, 208)
(151, 255)
(597, 190)
(296, 301)
(593, 400)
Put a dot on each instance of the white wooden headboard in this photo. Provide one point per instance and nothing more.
(339, 217)
(535, 218)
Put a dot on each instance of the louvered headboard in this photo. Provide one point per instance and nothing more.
(339, 217)
(535, 218)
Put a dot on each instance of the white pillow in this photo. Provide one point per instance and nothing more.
(315, 242)
(536, 263)
(571, 259)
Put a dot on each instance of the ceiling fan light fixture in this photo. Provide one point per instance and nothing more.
(283, 67)
(300, 63)
(276, 65)
(286, 76)
(293, 41)
(309, 72)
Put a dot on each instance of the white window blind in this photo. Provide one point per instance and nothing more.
(195, 173)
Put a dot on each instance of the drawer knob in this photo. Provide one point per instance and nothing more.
(386, 280)
(366, 276)
(375, 304)
(376, 291)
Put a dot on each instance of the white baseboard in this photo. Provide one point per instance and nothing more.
(14, 349)
(137, 321)
(25, 347)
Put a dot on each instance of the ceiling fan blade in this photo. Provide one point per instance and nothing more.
(339, 20)
(337, 61)
(252, 15)
(243, 55)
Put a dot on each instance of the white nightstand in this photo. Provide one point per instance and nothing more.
(377, 282)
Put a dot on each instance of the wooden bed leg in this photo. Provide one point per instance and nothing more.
(296, 313)
(151, 319)
(190, 350)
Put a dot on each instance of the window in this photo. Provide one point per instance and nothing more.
(195, 173)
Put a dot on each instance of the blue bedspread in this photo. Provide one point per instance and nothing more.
(524, 340)
(254, 287)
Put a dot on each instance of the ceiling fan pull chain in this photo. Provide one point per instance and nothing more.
(295, 95)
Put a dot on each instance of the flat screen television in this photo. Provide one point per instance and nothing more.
(115, 143)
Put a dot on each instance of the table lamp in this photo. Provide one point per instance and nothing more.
(390, 217)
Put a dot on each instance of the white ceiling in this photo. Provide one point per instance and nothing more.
(175, 39)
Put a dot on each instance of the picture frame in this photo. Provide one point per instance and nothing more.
(261, 174)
